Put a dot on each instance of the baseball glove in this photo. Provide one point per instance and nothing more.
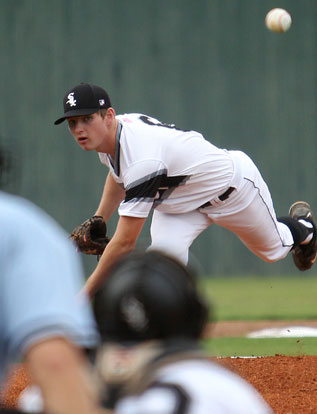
(91, 236)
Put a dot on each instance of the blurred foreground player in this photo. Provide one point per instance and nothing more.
(42, 318)
(151, 317)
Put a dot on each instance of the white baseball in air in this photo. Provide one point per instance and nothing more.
(278, 20)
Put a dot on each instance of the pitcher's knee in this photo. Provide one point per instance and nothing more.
(272, 256)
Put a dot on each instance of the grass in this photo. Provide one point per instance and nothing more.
(260, 298)
(223, 347)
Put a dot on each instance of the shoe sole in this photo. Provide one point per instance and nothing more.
(301, 206)
(301, 209)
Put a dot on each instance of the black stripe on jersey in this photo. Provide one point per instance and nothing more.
(153, 186)
(181, 396)
(116, 165)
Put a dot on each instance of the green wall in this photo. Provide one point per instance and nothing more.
(205, 65)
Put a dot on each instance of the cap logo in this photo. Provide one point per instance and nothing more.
(101, 102)
(71, 100)
(134, 313)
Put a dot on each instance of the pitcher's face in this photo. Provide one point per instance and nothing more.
(91, 132)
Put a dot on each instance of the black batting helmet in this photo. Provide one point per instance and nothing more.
(149, 296)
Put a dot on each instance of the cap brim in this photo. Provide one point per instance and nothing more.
(76, 112)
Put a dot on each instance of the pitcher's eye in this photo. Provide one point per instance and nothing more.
(71, 123)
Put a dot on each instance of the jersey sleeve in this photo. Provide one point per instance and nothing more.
(143, 182)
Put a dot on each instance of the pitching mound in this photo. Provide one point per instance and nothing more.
(288, 384)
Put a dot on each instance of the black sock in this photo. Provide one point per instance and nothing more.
(299, 231)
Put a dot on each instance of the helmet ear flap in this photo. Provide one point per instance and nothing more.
(201, 313)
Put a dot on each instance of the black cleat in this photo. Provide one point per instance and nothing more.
(304, 255)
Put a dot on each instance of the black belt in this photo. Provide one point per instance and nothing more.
(222, 197)
(226, 194)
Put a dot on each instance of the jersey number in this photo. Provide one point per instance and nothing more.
(152, 121)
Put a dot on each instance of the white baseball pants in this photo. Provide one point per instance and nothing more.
(248, 212)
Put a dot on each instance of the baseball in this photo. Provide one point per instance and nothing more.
(278, 20)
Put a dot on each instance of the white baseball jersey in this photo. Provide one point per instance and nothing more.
(171, 170)
(40, 277)
(195, 387)
(190, 386)
(183, 177)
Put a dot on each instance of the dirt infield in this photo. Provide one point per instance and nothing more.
(288, 384)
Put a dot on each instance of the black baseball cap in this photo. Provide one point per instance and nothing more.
(84, 99)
